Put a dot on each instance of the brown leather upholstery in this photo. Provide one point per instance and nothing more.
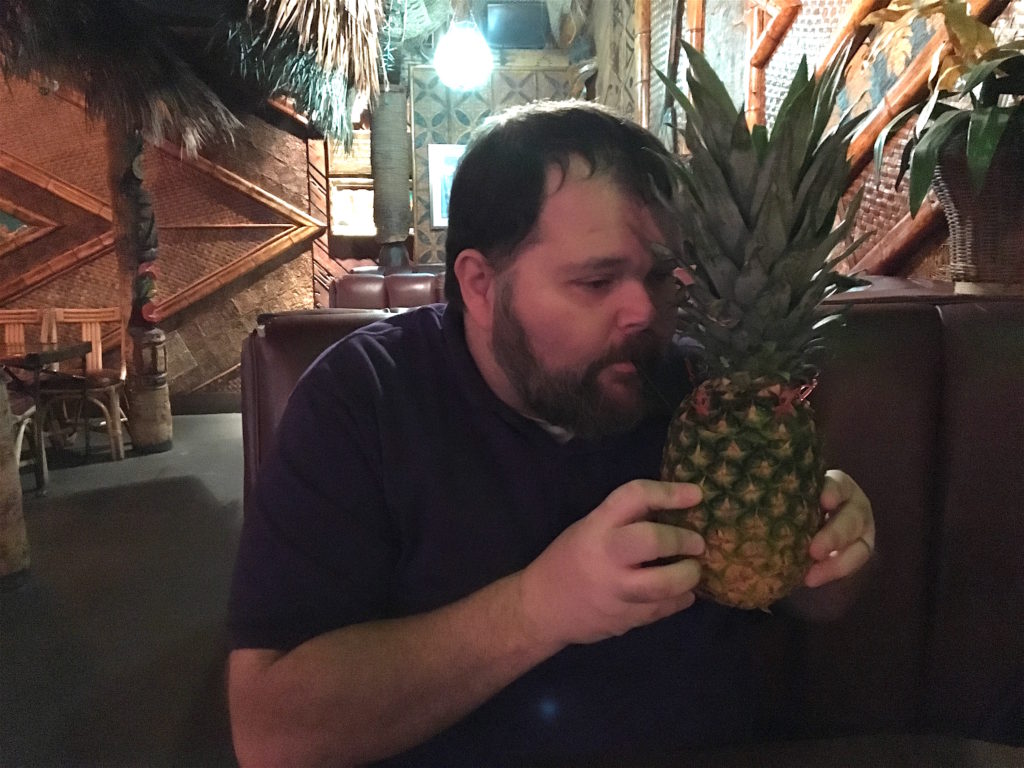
(273, 357)
(922, 404)
(877, 404)
(975, 673)
(398, 291)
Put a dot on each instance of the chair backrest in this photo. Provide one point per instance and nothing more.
(13, 322)
(90, 320)
(274, 356)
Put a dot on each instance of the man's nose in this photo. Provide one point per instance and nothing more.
(637, 311)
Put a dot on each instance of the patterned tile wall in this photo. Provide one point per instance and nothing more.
(443, 116)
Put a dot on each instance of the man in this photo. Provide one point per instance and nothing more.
(449, 559)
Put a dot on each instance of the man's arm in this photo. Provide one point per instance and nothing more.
(371, 690)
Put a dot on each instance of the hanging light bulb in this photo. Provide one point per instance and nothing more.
(462, 58)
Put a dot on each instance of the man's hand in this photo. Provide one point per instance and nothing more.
(847, 540)
(597, 580)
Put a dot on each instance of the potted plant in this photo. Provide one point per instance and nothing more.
(967, 143)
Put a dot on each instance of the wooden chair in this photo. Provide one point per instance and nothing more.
(101, 387)
(13, 324)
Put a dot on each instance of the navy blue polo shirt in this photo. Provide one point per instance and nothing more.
(399, 483)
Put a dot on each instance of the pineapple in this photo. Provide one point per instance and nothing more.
(756, 217)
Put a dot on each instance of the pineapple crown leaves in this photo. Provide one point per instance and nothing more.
(756, 214)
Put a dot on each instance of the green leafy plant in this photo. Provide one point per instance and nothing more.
(975, 87)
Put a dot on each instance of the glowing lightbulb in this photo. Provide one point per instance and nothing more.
(462, 57)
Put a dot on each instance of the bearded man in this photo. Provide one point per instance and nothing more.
(450, 558)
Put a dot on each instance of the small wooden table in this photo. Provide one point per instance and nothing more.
(34, 357)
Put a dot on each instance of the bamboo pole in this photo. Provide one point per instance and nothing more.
(642, 54)
(696, 16)
(782, 13)
(910, 88)
(891, 252)
(62, 189)
(851, 26)
(674, 49)
(755, 75)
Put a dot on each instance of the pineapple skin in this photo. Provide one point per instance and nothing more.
(755, 453)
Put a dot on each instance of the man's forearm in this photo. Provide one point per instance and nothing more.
(371, 690)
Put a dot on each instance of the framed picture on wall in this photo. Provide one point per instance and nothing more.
(351, 207)
(442, 160)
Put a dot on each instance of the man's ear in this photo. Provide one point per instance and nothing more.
(476, 282)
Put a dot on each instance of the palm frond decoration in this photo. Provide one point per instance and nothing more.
(342, 35)
(276, 68)
(127, 72)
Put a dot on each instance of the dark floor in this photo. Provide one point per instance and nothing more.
(112, 651)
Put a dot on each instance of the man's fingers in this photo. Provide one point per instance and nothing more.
(839, 564)
(661, 582)
(838, 487)
(635, 499)
(645, 541)
(850, 518)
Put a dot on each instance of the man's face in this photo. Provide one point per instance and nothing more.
(584, 311)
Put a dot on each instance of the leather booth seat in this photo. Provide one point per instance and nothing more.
(396, 291)
(922, 403)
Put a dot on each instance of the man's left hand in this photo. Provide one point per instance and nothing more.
(847, 539)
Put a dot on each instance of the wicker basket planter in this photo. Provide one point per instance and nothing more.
(986, 231)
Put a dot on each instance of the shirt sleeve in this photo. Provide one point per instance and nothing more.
(318, 547)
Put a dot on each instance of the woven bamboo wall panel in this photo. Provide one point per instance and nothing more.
(66, 144)
(184, 195)
(75, 225)
(811, 34)
(93, 284)
(272, 159)
(228, 250)
(203, 344)
(187, 255)
(1010, 24)
(883, 205)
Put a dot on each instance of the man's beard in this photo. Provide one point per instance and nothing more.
(574, 398)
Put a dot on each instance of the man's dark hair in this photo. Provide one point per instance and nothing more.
(498, 189)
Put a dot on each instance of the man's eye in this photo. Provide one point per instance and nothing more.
(595, 284)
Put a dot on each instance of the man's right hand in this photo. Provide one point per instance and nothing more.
(595, 580)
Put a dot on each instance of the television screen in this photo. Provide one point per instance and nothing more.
(516, 25)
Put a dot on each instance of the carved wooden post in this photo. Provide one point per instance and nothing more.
(136, 244)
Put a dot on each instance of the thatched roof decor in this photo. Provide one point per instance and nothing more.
(123, 66)
(134, 60)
